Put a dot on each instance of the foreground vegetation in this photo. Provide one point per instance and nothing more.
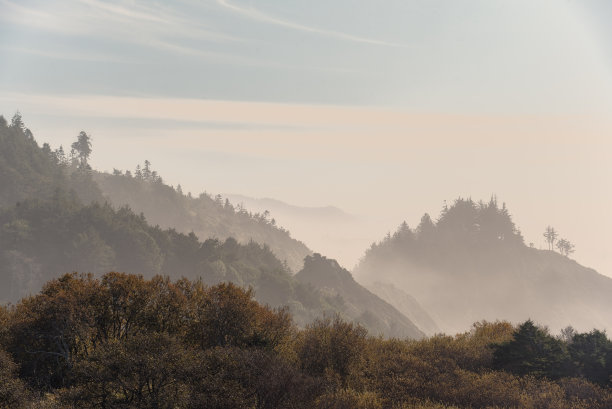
(123, 341)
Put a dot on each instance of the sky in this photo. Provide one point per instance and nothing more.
(384, 108)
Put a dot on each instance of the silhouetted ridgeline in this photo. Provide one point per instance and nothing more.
(472, 264)
(121, 341)
(145, 192)
(29, 171)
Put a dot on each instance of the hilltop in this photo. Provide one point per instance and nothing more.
(472, 264)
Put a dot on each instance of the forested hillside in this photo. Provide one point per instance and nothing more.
(121, 341)
(472, 264)
(357, 303)
(30, 171)
(144, 191)
(43, 239)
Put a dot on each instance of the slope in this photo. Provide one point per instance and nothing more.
(30, 171)
(145, 192)
(472, 264)
(358, 304)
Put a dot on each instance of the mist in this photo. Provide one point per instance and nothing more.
(325, 204)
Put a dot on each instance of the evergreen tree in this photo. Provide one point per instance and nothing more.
(532, 351)
(551, 236)
(17, 122)
(82, 149)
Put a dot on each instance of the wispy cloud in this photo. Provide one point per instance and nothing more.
(267, 18)
(66, 55)
(130, 22)
(117, 10)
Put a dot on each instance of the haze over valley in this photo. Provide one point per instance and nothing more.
(272, 204)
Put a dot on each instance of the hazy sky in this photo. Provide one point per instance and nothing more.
(385, 108)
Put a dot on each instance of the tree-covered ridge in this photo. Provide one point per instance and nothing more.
(123, 341)
(472, 264)
(358, 304)
(144, 191)
(29, 171)
(464, 231)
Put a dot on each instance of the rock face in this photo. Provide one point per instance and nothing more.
(357, 303)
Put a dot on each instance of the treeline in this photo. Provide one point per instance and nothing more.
(122, 341)
(465, 231)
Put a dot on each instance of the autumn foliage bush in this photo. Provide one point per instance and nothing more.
(123, 341)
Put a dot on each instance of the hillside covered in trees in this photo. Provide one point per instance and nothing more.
(370, 310)
(145, 192)
(472, 264)
(44, 238)
(122, 341)
(30, 171)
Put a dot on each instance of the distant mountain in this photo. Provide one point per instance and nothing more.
(327, 229)
(320, 214)
(357, 303)
(471, 264)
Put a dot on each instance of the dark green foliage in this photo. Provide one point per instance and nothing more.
(591, 356)
(532, 351)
